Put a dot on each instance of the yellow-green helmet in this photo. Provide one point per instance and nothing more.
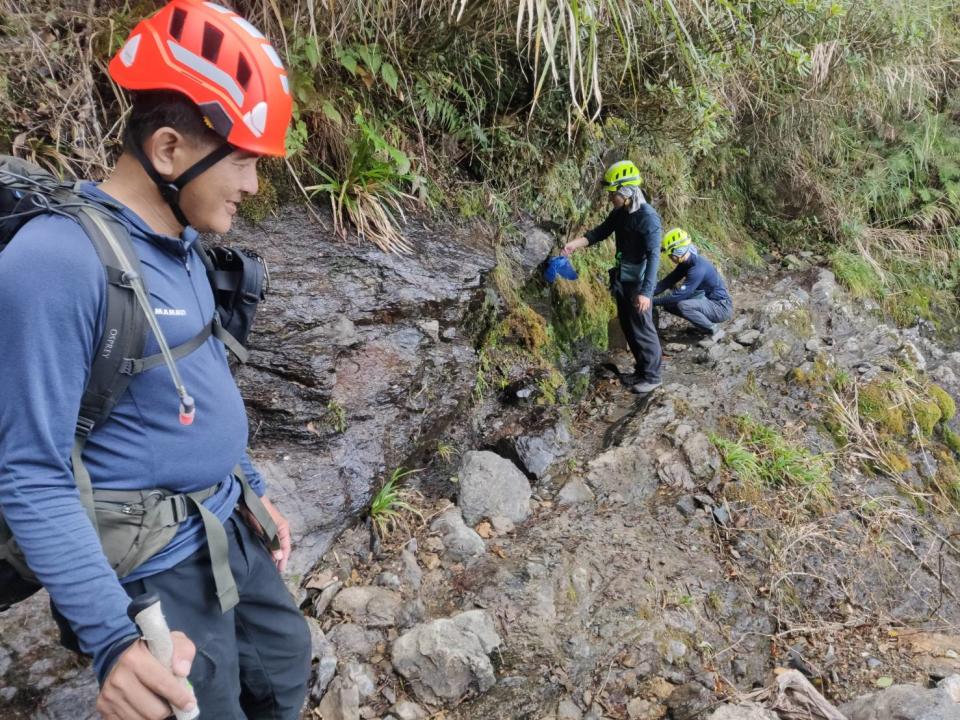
(620, 174)
(676, 242)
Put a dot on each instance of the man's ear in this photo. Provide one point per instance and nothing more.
(161, 149)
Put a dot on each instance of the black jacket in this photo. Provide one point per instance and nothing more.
(638, 237)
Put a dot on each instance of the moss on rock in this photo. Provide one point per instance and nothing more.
(528, 328)
(879, 405)
(947, 479)
(927, 414)
(945, 401)
(897, 458)
(951, 440)
(255, 208)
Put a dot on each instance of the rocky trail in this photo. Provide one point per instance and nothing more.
(605, 560)
(637, 586)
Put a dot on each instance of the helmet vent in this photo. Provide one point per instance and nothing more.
(243, 72)
(176, 23)
(212, 39)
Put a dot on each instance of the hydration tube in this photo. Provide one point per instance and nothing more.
(188, 408)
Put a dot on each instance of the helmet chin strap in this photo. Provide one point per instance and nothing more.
(170, 189)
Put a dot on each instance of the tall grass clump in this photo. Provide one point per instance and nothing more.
(762, 458)
(392, 509)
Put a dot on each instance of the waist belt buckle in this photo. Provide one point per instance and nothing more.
(180, 508)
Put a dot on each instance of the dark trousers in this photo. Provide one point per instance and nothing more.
(701, 311)
(253, 661)
(640, 331)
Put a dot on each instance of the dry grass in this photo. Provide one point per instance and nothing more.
(60, 110)
(864, 443)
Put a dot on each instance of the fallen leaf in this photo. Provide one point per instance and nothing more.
(884, 682)
(485, 530)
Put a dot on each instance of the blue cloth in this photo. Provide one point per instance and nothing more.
(52, 312)
(559, 265)
(638, 236)
(698, 276)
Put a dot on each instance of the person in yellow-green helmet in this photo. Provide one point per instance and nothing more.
(699, 293)
(638, 232)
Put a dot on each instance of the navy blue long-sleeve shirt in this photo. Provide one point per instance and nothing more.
(52, 313)
(699, 275)
(638, 236)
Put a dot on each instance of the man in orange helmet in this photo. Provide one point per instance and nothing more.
(209, 97)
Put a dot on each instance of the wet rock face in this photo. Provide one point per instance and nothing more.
(350, 364)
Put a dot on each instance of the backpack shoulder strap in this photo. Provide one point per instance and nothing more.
(124, 332)
(123, 336)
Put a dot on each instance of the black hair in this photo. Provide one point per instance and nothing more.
(154, 109)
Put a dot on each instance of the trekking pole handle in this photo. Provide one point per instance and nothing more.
(145, 611)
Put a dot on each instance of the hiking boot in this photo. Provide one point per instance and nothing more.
(631, 379)
(712, 337)
(642, 388)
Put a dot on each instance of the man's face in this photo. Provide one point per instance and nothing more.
(617, 200)
(677, 259)
(210, 200)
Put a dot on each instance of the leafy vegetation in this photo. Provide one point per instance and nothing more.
(391, 508)
(445, 451)
(769, 124)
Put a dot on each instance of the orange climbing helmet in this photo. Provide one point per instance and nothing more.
(218, 60)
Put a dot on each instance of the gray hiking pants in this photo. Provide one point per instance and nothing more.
(639, 330)
(701, 311)
(252, 661)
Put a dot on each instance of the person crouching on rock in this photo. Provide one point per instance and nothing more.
(699, 294)
(638, 232)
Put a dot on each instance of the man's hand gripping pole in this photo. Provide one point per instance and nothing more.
(146, 613)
